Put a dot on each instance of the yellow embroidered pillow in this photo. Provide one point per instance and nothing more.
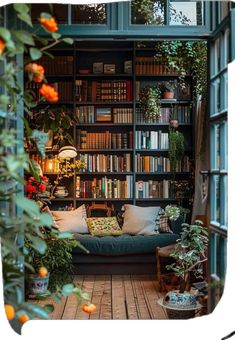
(103, 226)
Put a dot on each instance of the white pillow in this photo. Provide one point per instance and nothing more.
(73, 221)
(140, 220)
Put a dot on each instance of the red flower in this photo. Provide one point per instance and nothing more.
(30, 188)
(42, 187)
(36, 71)
(44, 178)
(49, 23)
(49, 92)
(2, 46)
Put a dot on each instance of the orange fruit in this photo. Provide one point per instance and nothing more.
(23, 318)
(10, 311)
(89, 308)
(42, 272)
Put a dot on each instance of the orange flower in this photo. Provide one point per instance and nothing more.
(49, 23)
(49, 92)
(2, 46)
(36, 71)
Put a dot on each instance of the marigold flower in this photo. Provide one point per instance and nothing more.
(37, 72)
(49, 92)
(49, 23)
(2, 46)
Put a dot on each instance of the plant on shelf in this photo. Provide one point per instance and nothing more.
(150, 102)
(176, 149)
(186, 57)
(174, 123)
(168, 89)
(189, 255)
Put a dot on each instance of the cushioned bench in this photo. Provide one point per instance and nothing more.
(124, 254)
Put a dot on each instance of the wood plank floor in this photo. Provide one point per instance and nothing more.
(115, 296)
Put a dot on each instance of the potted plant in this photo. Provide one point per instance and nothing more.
(174, 123)
(150, 102)
(54, 267)
(189, 254)
(176, 149)
(167, 89)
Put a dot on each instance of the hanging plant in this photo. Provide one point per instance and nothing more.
(150, 102)
(176, 148)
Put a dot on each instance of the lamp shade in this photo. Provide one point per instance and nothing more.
(67, 152)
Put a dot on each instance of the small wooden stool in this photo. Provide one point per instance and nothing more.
(163, 252)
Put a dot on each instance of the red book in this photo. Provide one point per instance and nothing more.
(129, 90)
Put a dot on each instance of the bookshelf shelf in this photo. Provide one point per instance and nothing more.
(104, 199)
(102, 75)
(104, 125)
(104, 173)
(104, 103)
(162, 173)
(156, 199)
(104, 150)
(161, 124)
(65, 199)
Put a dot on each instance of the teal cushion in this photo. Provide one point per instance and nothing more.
(124, 244)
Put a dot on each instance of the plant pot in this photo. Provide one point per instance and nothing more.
(180, 305)
(37, 286)
(174, 123)
(168, 95)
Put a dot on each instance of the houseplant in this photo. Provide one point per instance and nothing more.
(176, 149)
(189, 254)
(174, 123)
(167, 89)
(150, 102)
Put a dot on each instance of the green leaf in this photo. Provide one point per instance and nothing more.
(40, 138)
(26, 18)
(56, 36)
(36, 310)
(68, 41)
(67, 289)
(64, 235)
(39, 244)
(34, 169)
(5, 34)
(24, 36)
(49, 308)
(43, 41)
(48, 54)
(46, 219)
(28, 205)
(35, 53)
(21, 8)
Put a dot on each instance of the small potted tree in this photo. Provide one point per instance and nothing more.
(167, 89)
(189, 254)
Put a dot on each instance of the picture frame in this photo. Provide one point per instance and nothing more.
(109, 68)
(128, 66)
(98, 67)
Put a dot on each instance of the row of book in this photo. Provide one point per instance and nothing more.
(153, 189)
(85, 114)
(159, 164)
(181, 113)
(104, 140)
(104, 188)
(103, 91)
(106, 163)
(89, 114)
(122, 115)
(59, 65)
(152, 140)
(65, 90)
(153, 66)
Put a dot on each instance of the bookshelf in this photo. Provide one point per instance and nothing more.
(126, 155)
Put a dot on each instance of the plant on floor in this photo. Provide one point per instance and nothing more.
(13, 161)
(172, 212)
(186, 57)
(150, 102)
(176, 149)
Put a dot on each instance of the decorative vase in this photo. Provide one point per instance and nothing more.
(174, 123)
(168, 95)
(37, 286)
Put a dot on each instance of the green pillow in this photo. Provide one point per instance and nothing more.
(103, 226)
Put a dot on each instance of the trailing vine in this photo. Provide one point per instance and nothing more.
(150, 102)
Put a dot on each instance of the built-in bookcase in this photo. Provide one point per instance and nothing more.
(126, 155)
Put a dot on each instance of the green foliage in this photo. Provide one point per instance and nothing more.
(150, 101)
(172, 212)
(176, 148)
(190, 253)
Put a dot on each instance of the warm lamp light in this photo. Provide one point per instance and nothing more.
(67, 152)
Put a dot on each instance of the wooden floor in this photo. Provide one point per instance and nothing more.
(115, 296)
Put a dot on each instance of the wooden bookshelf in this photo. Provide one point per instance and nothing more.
(82, 57)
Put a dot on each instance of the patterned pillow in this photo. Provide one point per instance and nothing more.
(164, 225)
(103, 226)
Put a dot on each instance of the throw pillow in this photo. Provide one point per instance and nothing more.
(164, 225)
(103, 226)
(73, 221)
(140, 220)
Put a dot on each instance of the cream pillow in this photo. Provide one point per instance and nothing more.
(73, 221)
(140, 220)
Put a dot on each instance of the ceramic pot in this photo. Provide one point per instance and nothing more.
(168, 95)
(37, 286)
(174, 123)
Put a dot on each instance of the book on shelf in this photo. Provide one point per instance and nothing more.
(153, 189)
(59, 65)
(147, 140)
(159, 164)
(104, 188)
(181, 112)
(106, 163)
(88, 114)
(104, 140)
(122, 115)
(154, 66)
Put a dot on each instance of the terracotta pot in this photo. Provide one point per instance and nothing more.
(174, 123)
(168, 95)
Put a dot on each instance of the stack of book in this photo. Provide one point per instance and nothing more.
(153, 189)
(152, 140)
(122, 115)
(153, 65)
(65, 90)
(106, 163)
(104, 188)
(104, 140)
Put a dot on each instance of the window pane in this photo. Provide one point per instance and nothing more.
(147, 13)
(89, 14)
(60, 12)
(186, 13)
(218, 147)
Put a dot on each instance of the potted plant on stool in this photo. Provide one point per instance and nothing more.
(189, 254)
